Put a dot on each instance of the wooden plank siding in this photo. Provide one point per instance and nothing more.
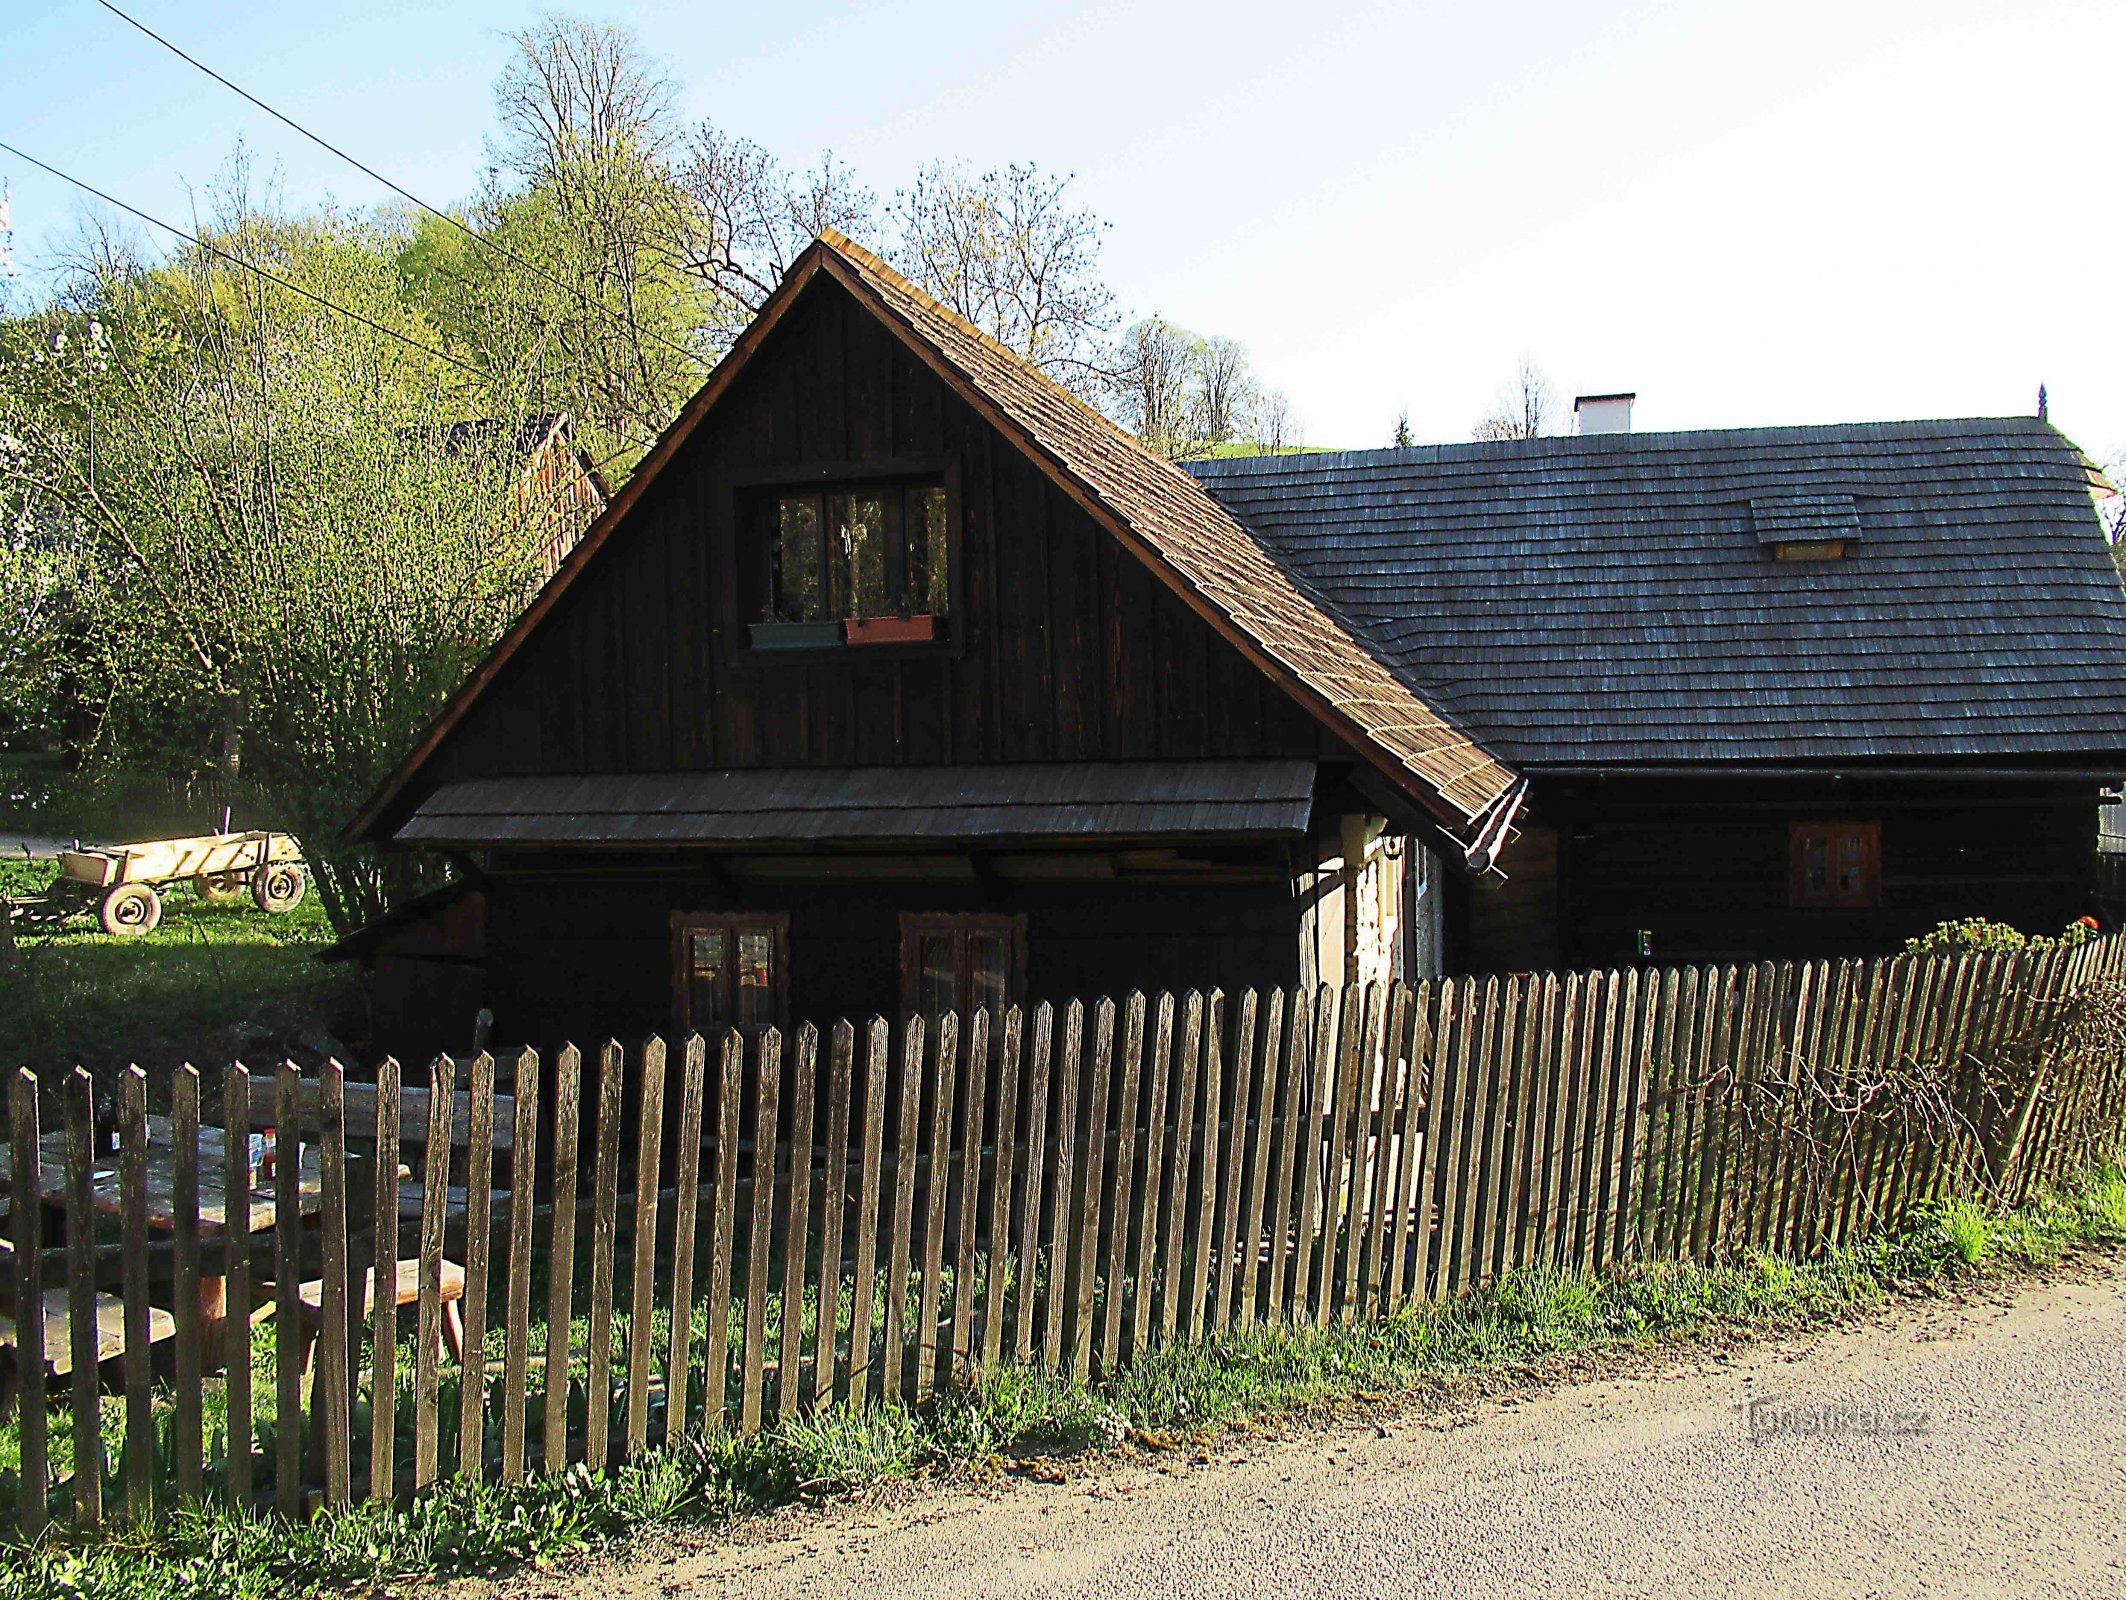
(1058, 651)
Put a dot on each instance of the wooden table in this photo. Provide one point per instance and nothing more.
(214, 1204)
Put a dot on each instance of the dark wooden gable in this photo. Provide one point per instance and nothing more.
(1065, 647)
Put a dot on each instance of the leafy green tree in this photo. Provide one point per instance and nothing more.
(245, 528)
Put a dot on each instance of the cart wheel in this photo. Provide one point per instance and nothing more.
(278, 887)
(216, 887)
(130, 910)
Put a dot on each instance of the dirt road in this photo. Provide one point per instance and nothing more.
(1948, 1450)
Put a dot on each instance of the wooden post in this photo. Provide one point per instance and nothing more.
(1414, 1040)
(686, 1211)
(1119, 1259)
(642, 1249)
(894, 1374)
(331, 1385)
(761, 1240)
(1284, 1155)
(435, 1210)
(936, 1183)
(523, 1172)
(1059, 1236)
(1181, 1107)
(81, 1300)
(1157, 1074)
(139, 1393)
(561, 1255)
(1204, 1191)
(833, 1192)
(1246, 1106)
(1086, 1244)
(1000, 1189)
(974, 1091)
(789, 1388)
(1387, 1052)
(1310, 1133)
(878, 1056)
(1035, 1181)
(1337, 1155)
(723, 1228)
(236, 1283)
(605, 1206)
(27, 1168)
(1249, 1244)
(479, 1245)
(288, 1352)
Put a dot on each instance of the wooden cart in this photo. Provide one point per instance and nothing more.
(121, 884)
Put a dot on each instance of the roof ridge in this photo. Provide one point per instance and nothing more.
(1653, 440)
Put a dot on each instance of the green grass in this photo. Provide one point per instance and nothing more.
(209, 977)
(1497, 1334)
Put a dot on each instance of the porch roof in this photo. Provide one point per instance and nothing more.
(1033, 801)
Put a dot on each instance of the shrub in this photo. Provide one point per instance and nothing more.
(1958, 935)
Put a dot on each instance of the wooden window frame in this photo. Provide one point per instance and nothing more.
(687, 923)
(917, 926)
(748, 498)
(1866, 897)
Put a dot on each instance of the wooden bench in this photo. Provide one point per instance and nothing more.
(58, 1337)
(311, 1296)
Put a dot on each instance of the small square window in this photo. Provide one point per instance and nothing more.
(1834, 864)
(729, 971)
(959, 963)
(860, 554)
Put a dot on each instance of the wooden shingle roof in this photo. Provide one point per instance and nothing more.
(1031, 801)
(1608, 600)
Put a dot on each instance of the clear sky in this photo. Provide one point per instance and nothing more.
(1750, 211)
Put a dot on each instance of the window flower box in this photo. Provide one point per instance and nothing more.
(919, 629)
(794, 635)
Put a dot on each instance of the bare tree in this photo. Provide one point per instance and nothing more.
(1278, 428)
(1522, 411)
(1008, 251)
(579, 90)
(597, 233)
(1227, 393)
(756, 216)
(1153, 385)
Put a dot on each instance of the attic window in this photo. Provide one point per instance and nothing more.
(854, 564)
(1805, 527)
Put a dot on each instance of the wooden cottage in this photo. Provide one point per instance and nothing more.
(898, 678)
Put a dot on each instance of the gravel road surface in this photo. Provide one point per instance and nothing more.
(1949, 1449)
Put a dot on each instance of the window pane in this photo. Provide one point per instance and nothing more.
(856, 526)
(756, 979)
(934, 985)
(796, 577)
(708, 956)
(989, 963)
(928, 555)
(1815, 864)
(1852, 863)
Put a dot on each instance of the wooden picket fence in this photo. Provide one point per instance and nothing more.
(849, 1217)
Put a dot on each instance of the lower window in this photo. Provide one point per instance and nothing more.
(960, 963)
(1834, 863)
(729, 971)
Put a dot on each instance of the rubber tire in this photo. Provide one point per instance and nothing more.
(278, 886)
(129, 911)
(218, 888)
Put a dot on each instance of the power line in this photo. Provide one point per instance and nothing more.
(198, 243)
(479, 238)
